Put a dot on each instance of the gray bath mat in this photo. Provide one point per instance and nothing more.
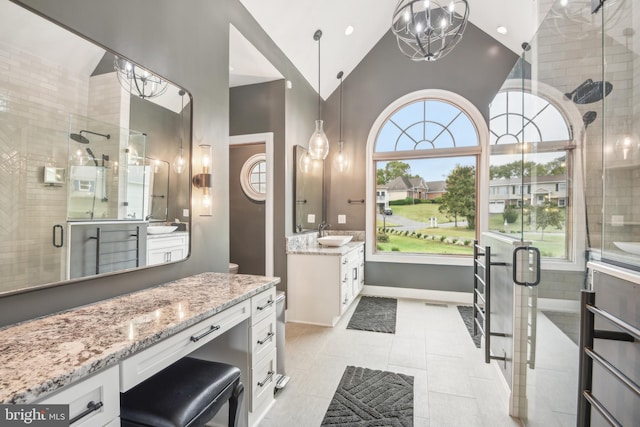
(467, 317)
(375, 314)
(367, 397)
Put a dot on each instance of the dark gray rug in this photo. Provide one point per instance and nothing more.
(375, 314)
(467, 317)
(366, 397)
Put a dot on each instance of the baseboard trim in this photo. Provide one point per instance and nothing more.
(422, 294)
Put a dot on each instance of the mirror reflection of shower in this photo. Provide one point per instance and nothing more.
(78, 137)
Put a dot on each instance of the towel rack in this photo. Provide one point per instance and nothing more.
(586, 399)
(482, 300)
(117, 249)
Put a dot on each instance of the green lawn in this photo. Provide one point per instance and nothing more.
(415, 245)
(421, 212)
(553, 244)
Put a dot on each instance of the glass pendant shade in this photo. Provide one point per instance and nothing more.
(341, 161)
(318, 143)
(137, 80)
(179, 162)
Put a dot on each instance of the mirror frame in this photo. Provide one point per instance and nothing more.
(298, 153)
(188, 142)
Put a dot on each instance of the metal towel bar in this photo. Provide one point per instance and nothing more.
(586, 399)
(483, 311)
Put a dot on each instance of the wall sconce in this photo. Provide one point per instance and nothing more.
(203, 180)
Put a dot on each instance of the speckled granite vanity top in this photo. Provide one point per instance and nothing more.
(324, 250)
(44, 354)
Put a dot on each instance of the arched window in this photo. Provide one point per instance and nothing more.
(531, 171)
(424, 154)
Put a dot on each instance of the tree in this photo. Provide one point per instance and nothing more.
(393, 169)
(460, 198)
(547, 214)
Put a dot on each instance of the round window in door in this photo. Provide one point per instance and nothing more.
(253, 177)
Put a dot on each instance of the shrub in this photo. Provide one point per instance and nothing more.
(379, 247)
(467, 242)
(443, 238)
(454, 240)
(419, 235)
(382, 237)
(395, 249)
(510, 214)
(398, 202)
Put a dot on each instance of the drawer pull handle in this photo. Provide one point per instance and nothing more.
(267, 305)
(267, 338)
(266, 380)
(204, 334)
(91, 407)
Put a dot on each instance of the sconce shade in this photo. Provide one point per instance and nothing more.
(427, 31)
(137, 80)
(203, 181)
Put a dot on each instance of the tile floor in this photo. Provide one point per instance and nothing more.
(452, 384)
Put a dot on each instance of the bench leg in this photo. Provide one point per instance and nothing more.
(235, 402)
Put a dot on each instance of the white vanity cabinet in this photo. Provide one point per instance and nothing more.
(262, 356)
(324, 283)
(94, 401)
(170, 247)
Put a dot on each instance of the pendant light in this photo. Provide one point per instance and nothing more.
(180, 162)
(427, 30)
(340, 161)
(318, 143)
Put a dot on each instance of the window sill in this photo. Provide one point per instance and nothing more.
(455, 260)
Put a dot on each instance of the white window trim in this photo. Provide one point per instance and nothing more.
(574, 118)
(483, 178)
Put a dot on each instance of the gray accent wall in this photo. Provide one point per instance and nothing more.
(475, 69)
(246, 216)
(261, 108)
(191, 50)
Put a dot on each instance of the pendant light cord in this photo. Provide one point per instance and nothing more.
(317, 36)
(340, 74)
(181, 93)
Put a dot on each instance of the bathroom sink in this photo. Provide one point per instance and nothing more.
(160, 229)
(630, 247)
(334, 241)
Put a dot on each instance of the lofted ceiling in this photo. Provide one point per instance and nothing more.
(291, 25)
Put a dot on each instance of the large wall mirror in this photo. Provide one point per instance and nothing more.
(95, 169)
(309, 175)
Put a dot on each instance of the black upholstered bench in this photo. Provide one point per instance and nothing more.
(188, 393)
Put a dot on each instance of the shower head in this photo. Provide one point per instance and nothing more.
(92, 156)
(589, 91)
(78, 137)
(588, 118)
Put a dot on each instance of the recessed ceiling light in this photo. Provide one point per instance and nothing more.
(348, 31)
(502, 30)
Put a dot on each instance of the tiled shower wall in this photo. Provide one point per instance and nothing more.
(36, 98)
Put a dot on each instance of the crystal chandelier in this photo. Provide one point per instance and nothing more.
(426, 30)
(137, 80)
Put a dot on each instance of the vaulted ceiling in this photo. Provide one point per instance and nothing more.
(291, 25)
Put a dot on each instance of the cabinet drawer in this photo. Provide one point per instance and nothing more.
(166, 242)
(263, 305)
(141, 366)
(263, 339)
(99, 391)
(263, 381)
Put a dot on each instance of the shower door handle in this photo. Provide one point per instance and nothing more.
(58, 243)
(526, 266)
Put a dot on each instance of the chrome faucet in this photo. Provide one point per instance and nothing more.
(322, 228)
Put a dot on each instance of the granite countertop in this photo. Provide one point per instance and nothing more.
(41, 355)
(325, 250)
